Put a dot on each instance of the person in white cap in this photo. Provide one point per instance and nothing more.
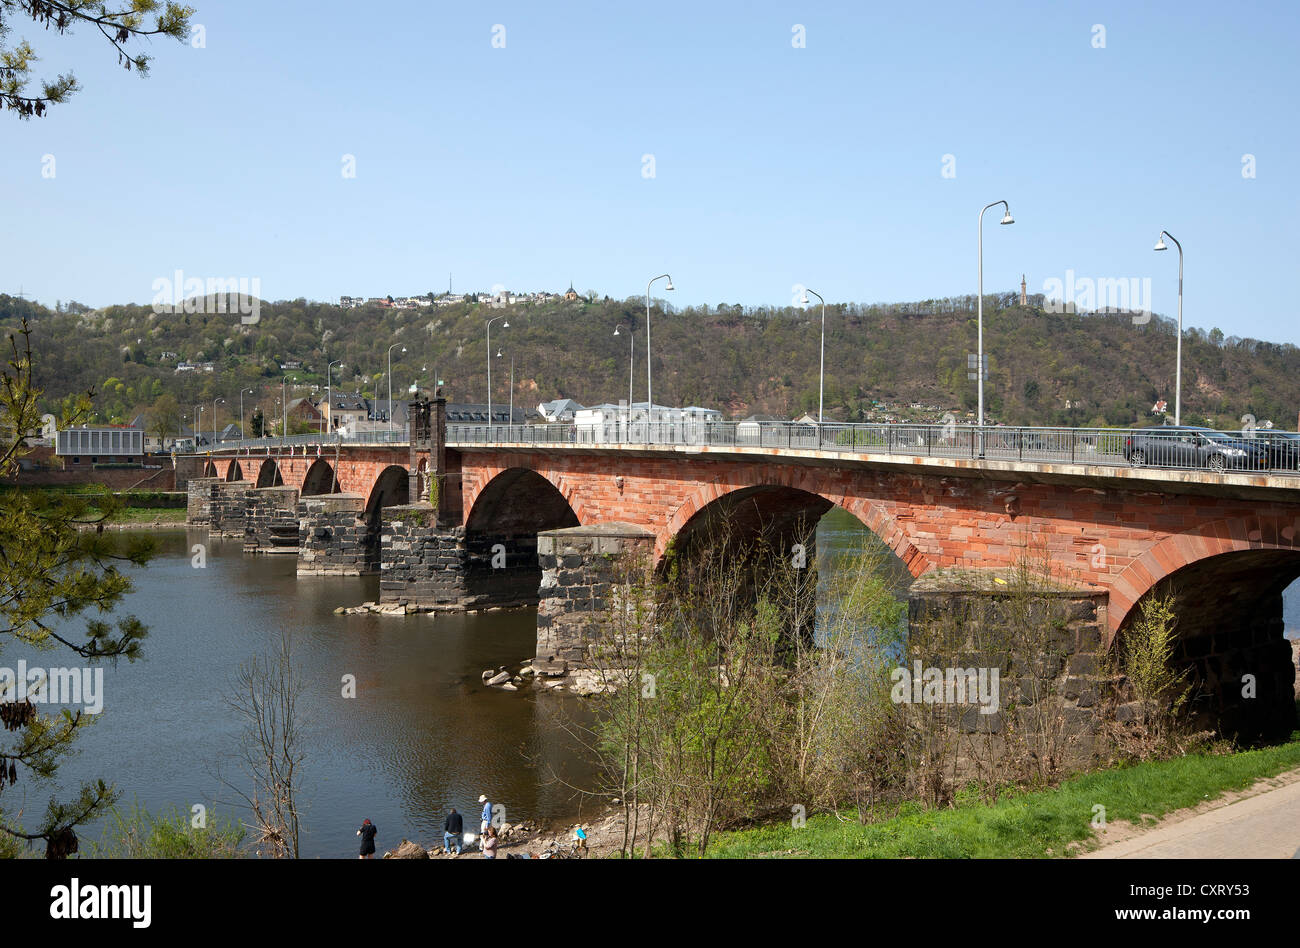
(486, 819)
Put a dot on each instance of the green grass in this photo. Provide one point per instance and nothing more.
(148, 515)
(1027, 825)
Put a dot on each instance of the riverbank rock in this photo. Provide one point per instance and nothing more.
(500, 678)
(586, 683)
(407, 850)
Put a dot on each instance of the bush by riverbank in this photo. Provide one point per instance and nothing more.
(1023, 825)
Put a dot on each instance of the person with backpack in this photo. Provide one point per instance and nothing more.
(453, 828)
(367, 834)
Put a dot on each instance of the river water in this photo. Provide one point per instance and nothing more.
(423, 732)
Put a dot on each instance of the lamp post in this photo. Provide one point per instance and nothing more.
(284, 403)
(214, 420)
(512, 387)
(329, 390)
(649, 393)
(390, 380)
(505, 325)
(821, 374)
(242, 393)
(1178, 370)
(198, 410)
(631, 355)
(979, 368)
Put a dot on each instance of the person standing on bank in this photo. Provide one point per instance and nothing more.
(485, 821)
(367, 834)
(490, 843)
(453, 828)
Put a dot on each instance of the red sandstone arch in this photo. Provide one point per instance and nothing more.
(1184, 549)
(391, 488)
(872, 516)
(567, 490)
(268, 474)
(210, 469)
(492, 509)
(320, 479)
(233, 471)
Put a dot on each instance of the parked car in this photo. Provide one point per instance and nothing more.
(1283, 448)
(1186, 446)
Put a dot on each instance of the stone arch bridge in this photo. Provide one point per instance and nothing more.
(457, 525)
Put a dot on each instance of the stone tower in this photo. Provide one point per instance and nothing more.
(1024, 294)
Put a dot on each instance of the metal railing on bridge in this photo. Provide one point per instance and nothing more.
(396, 435)
(1261, 451)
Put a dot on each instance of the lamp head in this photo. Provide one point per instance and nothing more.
(670, 284)
(804, 299)
(1160, 243)
(616, 331)
(403, 348)
(506, 324)
(1007, 218)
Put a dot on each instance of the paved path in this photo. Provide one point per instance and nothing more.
(1264, 826)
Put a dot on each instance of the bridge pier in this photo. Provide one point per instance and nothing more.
(272, 520)
(228, 508)
(1046, 643)
(580, 566)
(334, 536)
(440, 569)
(198, 501)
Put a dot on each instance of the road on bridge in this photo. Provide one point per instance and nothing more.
(1260, 823)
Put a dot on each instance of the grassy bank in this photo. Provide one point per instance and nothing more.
(1027, 825)
(149, 515)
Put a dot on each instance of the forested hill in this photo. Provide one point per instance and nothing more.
(1044, 368)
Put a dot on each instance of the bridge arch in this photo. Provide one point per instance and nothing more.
(320, 479)
(520, 500)
(1176, 552)
(210, 469)
(233, 471)
(799, 488)
(391, 489)
(269, 474)
(1227, 580)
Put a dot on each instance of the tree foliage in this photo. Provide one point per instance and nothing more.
(119, 25)
(53, 569)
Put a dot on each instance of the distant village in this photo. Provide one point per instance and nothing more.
(500, 298)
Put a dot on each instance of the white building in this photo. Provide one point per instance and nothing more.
(559, 410)
(610, 422)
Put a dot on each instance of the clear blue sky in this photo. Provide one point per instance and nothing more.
(774, 165)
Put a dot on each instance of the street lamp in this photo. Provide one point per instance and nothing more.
(649, 393)
(329, 389)
(821, 375)
(979, 368)
(631, 356)
(284, 403)
(198, 410)
(512, 387)
(505, 325)
(242, 393)
(390, 380)
(1178, 371)
(214, 420)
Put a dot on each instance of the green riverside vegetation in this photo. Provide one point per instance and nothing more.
(1021, 825)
